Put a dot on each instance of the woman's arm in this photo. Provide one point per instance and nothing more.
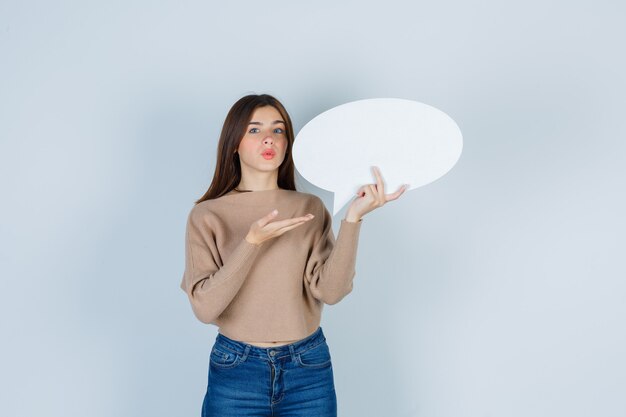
(330, 268)
(209, 284)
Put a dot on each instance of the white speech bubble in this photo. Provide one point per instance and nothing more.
(411, 142)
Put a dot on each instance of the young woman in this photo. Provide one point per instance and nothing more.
(261, 261)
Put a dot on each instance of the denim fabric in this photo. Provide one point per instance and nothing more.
(289, 380)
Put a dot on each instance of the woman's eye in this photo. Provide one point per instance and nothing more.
(277, 130)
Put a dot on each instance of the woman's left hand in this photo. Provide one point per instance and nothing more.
(370, 197)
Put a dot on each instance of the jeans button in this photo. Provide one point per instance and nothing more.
(273, 352)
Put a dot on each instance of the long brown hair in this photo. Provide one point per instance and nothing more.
(228, 167)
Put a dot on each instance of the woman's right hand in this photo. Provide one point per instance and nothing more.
(264, 229)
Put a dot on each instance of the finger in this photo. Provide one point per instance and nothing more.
(380, 184)
(267, 218)
(292, 226)
(279, 224)
(398, 193)
(374, 193)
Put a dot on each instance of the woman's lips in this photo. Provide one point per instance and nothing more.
(269, 154)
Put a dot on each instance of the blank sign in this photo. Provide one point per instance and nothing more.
(411, 142)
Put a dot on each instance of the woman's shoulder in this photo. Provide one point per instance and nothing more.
(203, 211)
(308, 201)
(304, 196)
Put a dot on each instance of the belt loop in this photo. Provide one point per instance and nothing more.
(245, 352)
(292, 352)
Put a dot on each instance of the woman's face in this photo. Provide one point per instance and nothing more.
(264, 144)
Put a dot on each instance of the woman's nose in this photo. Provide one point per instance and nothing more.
(268, 139)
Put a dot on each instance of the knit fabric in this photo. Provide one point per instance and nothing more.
(273, 291)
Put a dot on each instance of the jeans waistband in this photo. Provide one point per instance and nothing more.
(274, 352)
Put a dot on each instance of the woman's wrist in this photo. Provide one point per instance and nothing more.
(352, 218)
(252, 241)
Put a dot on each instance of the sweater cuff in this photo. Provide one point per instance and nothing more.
(350, 228)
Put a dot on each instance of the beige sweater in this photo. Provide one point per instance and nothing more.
(274, 291)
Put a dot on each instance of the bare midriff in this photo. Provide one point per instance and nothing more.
(271, 344)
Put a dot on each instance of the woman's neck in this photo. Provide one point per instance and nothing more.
(243, 187)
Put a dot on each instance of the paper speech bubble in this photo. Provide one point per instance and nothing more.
(411, 142)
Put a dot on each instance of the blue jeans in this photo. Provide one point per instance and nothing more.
(289, 380)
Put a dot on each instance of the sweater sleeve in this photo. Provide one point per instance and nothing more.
(330, 267)
(210, 281)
